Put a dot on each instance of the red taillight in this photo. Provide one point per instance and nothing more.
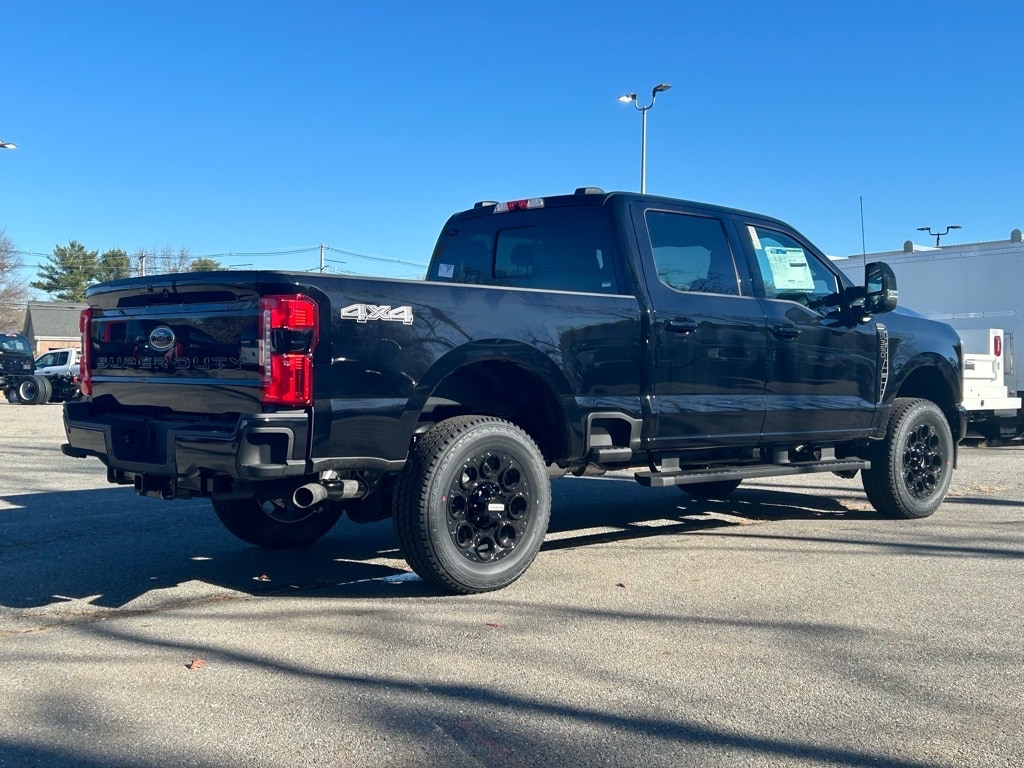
(85, 363)
(289, 330)
(997, 345)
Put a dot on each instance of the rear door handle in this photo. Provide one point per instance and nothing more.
(785, 332)
(682, 325)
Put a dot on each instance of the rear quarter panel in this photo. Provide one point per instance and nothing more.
(585, 347)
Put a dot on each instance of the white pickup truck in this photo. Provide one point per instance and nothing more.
(58, 362)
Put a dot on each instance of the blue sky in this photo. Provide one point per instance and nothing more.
(251, 127)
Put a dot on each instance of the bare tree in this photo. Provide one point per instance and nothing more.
(174, 260)
(14, 292)
(165, 261)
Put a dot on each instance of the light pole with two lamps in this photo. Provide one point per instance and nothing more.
(643, 128)
(939, 235)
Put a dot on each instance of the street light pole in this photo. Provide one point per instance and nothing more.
(643, 128)
(939, 235)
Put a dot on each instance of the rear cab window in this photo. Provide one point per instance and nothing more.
(563, 248)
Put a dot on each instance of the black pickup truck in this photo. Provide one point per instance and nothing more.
(694, 344)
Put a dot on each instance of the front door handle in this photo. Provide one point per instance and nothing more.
(785, 332)
(682, 325)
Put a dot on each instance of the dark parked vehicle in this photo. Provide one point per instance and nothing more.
(51, 378)
(17, 371)
(696, 344)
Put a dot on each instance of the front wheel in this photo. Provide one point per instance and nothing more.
(472, 504)
(912, 468)
(275, 523)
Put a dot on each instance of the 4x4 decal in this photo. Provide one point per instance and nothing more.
(361, 313)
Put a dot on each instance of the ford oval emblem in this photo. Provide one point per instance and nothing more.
(161, 339)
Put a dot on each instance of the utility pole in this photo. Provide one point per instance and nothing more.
(322, 265)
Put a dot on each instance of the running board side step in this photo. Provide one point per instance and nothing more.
(666, 478)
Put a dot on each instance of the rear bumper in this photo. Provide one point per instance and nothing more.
(255, 447)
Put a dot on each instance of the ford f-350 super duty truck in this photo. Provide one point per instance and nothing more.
(696, 345)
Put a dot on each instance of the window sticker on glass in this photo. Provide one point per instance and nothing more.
(789, 268)
(754, 238)
(445, 270)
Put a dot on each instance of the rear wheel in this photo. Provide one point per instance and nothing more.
(717, 489)
(34, 390)
(275, 523)
(912, 468)
(472, 504)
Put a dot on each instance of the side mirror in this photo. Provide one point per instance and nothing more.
(880, 292)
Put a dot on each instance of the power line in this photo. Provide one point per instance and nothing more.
(244, 254)
(368, 257)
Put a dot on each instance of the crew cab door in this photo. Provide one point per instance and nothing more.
(822, 374)
(705, 383)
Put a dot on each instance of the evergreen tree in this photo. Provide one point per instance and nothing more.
(113, 264)
(69, 271)
(204, 264)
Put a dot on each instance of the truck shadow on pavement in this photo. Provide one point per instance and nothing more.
(85, 551)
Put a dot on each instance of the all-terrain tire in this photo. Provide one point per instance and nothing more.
(912, 468)
(714, 489)
(275, 523)
(472, 504)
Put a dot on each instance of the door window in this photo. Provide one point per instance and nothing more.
(692, 253)
(789, 271)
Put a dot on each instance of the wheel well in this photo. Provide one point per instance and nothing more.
(508, 391)
(928, 383)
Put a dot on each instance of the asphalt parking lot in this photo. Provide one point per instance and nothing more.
(789, 626)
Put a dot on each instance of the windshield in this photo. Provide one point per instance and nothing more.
(14, 342)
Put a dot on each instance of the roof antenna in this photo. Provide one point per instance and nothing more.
(863, 242)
